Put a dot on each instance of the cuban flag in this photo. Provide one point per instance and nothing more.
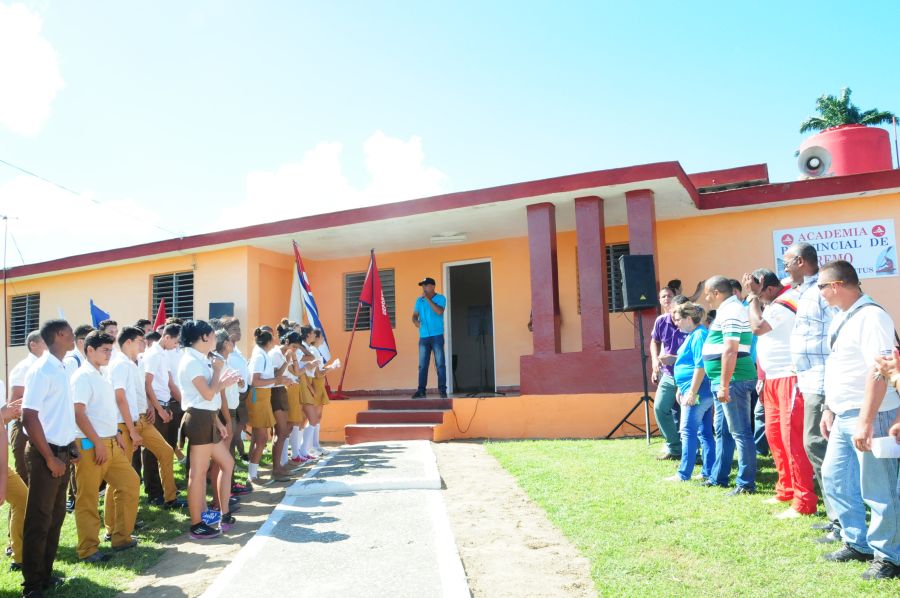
(312, 311)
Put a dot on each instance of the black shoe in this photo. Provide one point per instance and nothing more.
(70, 505)
(829, 538)
(177, 503)
(34, 594)
(126, 546)
(847, 553)
(710, 484)
(825, 527)
(15, 566)
(741, 490)
(54, 582)
(156, 501)
(139, 524)
(668, 457)
(97, 558)
(880, 569)
(443, 395)
(9, 551)
(418, 395)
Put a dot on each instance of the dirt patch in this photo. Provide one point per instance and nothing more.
(507, 545)
(189, 567)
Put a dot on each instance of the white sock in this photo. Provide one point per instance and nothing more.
(316, 444)
(253, 470)
(284, 453)
(296, 439)
(307, 440)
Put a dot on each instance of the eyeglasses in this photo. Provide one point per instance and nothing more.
(822, 285)
(791, 261)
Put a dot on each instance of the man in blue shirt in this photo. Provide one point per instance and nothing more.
(428, 317)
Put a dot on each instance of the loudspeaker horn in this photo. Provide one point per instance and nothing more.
(814, 162)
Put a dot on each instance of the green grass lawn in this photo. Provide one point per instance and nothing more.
(108, 579)
(647, 537)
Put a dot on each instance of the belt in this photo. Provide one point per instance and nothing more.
(59, 449)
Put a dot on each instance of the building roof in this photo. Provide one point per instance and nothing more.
(495, 213)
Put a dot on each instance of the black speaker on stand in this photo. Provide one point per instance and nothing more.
(638, 293)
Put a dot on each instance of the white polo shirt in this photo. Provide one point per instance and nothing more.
(173, 360)
(74, 360)
(47, 392)
(311, 367)
(774, 347)
(91, 389)
(123, 374)
(20, 370)
(237, 362)
(276, 357)
(260, 363)
(195, 364)
(865, 336)
(156, 363)
(232, 394)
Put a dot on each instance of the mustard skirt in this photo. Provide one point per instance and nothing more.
(321, 395)
(259, 408)
(307, 391)
(295, 407)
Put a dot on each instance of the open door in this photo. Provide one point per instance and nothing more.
(470, 340)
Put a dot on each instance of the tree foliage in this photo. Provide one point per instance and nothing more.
(834, 111)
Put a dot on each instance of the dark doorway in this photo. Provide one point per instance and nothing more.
(471, 328)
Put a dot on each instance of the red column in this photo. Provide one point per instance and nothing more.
(592, 281)
(544, 277)
(641, 212)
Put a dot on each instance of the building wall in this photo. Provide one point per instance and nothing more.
(258, 282)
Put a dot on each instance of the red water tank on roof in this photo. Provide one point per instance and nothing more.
(847, 149)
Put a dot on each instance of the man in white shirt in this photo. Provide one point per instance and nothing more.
(102, 455)
(783, 405)
(36, 347)
(48, 415)
(859, 405)
(75, 358)
(159, 479)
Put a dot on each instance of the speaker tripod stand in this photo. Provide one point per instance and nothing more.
(645, 400)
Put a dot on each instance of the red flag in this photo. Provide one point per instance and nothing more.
(160, 315)
(381, 337)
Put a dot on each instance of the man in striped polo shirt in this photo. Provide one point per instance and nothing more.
(726, 358)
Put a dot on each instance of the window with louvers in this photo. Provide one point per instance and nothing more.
(24, 317)
(178, 291)
(353, 287)
(613, 277)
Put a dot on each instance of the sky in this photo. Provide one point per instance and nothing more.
(160, 119)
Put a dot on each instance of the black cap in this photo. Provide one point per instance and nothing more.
(426, 280)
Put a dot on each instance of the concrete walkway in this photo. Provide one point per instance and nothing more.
(369, 521)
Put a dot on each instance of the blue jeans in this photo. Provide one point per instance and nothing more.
(426, 346)
(854, 480)
(697, 429)
(736, 416)
(759, 425)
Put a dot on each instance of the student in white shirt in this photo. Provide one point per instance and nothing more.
(201, 384)
(48, 415)
(291, 344)
(158, 384)
(75, 358)
(237, 362)
(103, 456)
(259, 408)
(281, 356)
(230, 398)
(36, 348)
(319, 391)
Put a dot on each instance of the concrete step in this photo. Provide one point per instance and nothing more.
(357, 433)
(410, 404)
(401, 416)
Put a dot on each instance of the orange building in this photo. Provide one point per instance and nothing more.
(544, 248)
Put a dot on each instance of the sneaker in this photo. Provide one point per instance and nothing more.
(175, 503)
(97, 558)
(202, 531)
(70, 505)
(156, 501)
(228, 522)
(210, 517)
(829, 538)
(443, 395)
(824, 527)
(15, 566)
(418, 395)
(791, 513)
(741, 490)
(667, 457)
(674, 478)
(880, 569)
(260, 482)
(239, 489)
(847, 553)
(126, 546)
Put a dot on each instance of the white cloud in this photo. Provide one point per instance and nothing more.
(29, 71)
(317, 183)
(48, 223)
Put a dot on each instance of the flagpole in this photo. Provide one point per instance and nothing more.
(339, 394)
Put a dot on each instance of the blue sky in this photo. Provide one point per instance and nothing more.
(211, 114)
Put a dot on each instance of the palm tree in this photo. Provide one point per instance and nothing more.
(840, 111)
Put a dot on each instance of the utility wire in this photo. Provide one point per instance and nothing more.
(95, 201)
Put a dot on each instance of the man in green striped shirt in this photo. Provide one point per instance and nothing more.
(727, 361)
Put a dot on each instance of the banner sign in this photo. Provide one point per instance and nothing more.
(870, 246)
